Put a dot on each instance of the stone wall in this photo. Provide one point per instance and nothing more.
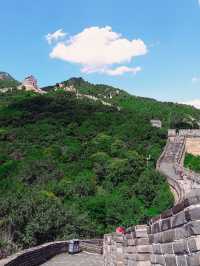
(40, 254)
(193, 145)
(132, 248)
(175, 234)
(37, 255)
(172, 238)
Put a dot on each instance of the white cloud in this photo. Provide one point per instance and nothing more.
(118, 71)
(98, 49)
(195, 103)
(196, 79)
(55, 36)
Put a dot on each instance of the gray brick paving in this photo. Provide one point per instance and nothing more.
(81, 259)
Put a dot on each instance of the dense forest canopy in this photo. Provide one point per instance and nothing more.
(75, 168)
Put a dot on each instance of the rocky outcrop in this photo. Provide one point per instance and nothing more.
(5, 76)
(172, 238)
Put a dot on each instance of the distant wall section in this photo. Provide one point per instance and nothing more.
(193, 145)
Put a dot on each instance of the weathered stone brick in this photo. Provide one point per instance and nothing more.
(131, 242)
(157, 248)
(180, 247)
(193, 228)
(139, 257)
(168, 236)
(165, 224)
(194, 260)
(167, 248)
(170, 260)
(157, 238)
(181, 260)
(141, 233)
(143, 263)
(144, 249)
(132, 263)
(192, 214)
(131, 249)
(180, 233)
(155, 228)
(128, 236)
(179, 219)
(119, 238)
(142, 241)
(151, 238)
(158, 259)
(194, 244)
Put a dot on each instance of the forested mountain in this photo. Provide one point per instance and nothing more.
(73, 167)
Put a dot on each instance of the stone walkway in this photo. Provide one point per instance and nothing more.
(81, 259)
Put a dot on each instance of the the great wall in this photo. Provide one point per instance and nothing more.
(171, 239)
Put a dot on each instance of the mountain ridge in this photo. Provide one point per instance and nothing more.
(83, 167)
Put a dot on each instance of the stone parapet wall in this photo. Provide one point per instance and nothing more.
(175, 234)
(37, 255)
(171, 239)
(132, 248)
(92, 246)
(40, 254)
(189, 133)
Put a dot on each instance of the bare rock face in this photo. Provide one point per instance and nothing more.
(5, 76)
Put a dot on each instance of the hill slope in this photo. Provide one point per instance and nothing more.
(7, 81)
(75, 168)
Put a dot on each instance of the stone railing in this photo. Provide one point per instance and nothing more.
(189, 133)
(40, 254)
(92, 246)
(37, 255)
(172, 238)
(162, 155)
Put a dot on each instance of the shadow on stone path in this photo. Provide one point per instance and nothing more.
(81, 259)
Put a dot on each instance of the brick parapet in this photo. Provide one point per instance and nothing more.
(37, 255)
(40, 254)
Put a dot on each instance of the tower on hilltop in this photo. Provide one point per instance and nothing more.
(30, 83)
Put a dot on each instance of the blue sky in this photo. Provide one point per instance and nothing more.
(166, 65)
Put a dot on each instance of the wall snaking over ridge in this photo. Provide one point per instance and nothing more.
(172, 238)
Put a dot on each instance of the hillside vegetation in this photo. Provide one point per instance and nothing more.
(75, 168)
(192, 162)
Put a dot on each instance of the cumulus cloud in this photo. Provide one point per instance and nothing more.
(98, 49)
(55, 36)
(195, 103)
(196, 79)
